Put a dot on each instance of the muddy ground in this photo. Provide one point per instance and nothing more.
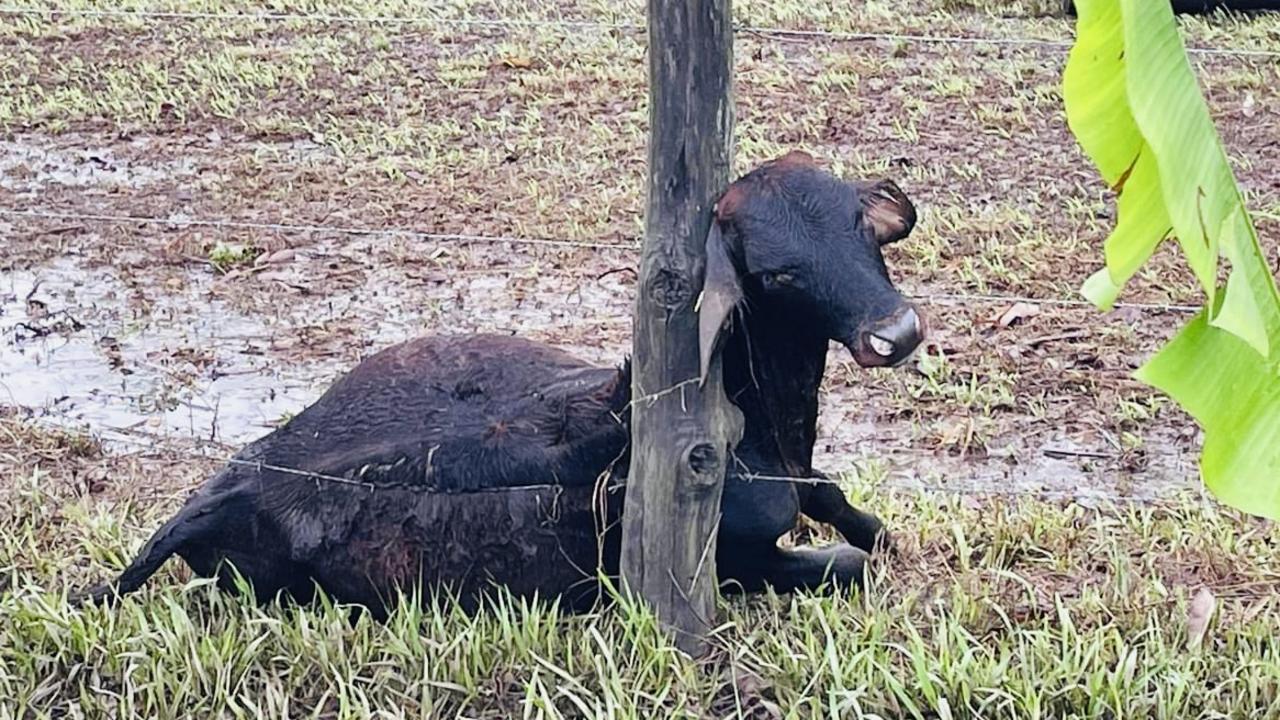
(193, 218)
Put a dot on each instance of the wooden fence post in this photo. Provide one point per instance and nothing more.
(681, 432)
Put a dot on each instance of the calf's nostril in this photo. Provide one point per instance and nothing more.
(882, 347)
(891, 340)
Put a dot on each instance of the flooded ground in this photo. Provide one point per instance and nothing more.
(83, 347)
(96, 349)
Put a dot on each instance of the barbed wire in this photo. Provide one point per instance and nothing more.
(327, 18)
(506, 23)
(296, 228)
(164, 445)
(1063, 302)
(515, 240)
(120, 436)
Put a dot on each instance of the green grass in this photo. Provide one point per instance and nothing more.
(223, 257)
(997, 610)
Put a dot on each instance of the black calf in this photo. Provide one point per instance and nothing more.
(470, 461)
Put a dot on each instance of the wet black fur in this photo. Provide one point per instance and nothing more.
(469, 461)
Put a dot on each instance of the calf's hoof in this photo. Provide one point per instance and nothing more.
(873, 537)
(885, 544)
(104, 594)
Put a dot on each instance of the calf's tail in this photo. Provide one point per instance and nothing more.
(193, 521)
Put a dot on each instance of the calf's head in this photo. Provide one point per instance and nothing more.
(795, 237)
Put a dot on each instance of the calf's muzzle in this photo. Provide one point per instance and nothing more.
(890, 340)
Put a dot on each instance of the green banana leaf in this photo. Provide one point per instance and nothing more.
(1134, 105)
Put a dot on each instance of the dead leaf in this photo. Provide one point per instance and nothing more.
(279, 257)
(1198, 617)
(1017, 312)
(518, 62)
(953, 433)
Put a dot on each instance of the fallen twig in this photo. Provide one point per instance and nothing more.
(1063, 453)
(1074, 335)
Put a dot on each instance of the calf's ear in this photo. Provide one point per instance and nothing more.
(887, 209)
(721, 291)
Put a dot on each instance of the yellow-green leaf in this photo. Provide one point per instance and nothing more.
(1234, 393)
(1133, 103)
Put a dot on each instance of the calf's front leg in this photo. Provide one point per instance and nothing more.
(826, 503)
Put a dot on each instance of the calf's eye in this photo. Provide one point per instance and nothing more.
(776, 279)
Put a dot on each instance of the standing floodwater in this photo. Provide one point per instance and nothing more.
(83, 348)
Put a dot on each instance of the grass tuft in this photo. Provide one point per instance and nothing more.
(991, 609)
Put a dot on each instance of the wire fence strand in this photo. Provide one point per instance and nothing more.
(305, 228)
(516, 240)
(165, 446)
(1059, 46)
(1061, 302)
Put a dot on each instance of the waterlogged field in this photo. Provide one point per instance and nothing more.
(204, 220)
